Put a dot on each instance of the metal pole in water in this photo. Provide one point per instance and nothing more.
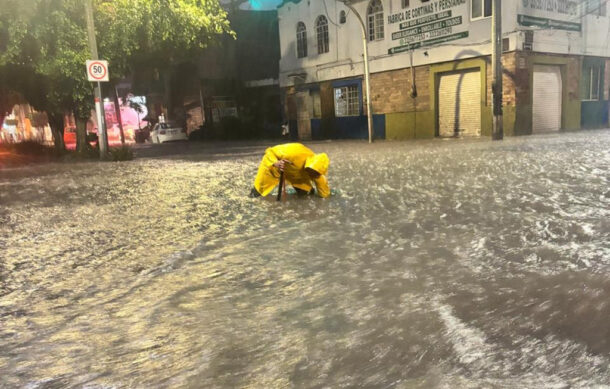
(498, 125)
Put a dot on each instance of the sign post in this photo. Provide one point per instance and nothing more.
(97, 71)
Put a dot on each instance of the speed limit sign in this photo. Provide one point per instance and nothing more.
(97, 70)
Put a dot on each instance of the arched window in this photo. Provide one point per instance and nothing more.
(322, 34)
(375, 20)
(301, 40)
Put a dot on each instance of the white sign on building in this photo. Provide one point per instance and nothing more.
(428, 24)
(552, 14)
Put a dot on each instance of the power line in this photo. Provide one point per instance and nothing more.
(329, 18)
(599, 7)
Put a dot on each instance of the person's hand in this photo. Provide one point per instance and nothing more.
(281, 164)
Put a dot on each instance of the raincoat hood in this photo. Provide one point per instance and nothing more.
(318, 162)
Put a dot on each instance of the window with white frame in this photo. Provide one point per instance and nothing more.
(405, 3)
(322, 34)
(301, 40)
(480, 9)
(592, 76)
(347, 101)
(375, 20)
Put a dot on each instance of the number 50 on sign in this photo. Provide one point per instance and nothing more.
(97, 70)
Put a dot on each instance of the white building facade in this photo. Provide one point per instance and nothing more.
(430, 63)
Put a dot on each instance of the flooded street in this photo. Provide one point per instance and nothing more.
(437, 264)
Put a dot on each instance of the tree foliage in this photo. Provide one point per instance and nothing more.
(156, 33)
(46, 40)
(45, 51)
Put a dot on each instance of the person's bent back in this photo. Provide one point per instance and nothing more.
(301, 168)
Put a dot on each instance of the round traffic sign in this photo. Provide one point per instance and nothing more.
(97, 70)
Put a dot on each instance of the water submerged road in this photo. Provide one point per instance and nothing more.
(441, 264)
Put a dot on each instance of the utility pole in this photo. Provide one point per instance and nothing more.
(367, 76)
(498, 125)
(99, 104)
(119, 115)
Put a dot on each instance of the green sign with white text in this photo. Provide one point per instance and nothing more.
(428, 28)
(534, 21)
(428, 23)
(426, 20)
(429, 42)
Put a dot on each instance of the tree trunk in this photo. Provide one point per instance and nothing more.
(169, 104)
(81, 135)
(117, 109)
(56, 122)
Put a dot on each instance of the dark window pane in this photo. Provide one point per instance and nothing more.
(488, 7)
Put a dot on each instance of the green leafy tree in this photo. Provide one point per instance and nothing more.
(146, 37)
(49, 38)
(46, 45)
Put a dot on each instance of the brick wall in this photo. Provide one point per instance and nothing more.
(391, 91)
(509, 78)
(521, 80)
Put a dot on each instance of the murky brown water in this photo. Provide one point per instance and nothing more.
(441, 264)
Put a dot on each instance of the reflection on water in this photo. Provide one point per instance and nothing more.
(438, 264)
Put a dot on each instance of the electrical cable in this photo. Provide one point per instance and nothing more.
(328, 16)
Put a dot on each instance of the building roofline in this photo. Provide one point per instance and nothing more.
(284, 2)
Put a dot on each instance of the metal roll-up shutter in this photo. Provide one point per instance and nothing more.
(547, 99)
(459, 104)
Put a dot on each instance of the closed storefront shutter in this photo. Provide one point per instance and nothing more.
(547, 99)
(459, 97)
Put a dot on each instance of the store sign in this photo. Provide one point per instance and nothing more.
(552, 14)
(434, 23)
(223, 107)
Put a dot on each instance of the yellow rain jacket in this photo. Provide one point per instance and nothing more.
(268, 176)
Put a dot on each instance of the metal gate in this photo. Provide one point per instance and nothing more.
(547, 99)
(459, 104)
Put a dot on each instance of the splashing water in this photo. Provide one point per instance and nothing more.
(459, 264)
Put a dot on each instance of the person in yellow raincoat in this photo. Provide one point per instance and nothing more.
(301, 168)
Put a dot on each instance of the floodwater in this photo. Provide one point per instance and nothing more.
(437, 264)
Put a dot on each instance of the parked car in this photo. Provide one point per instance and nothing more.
(165, 132)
